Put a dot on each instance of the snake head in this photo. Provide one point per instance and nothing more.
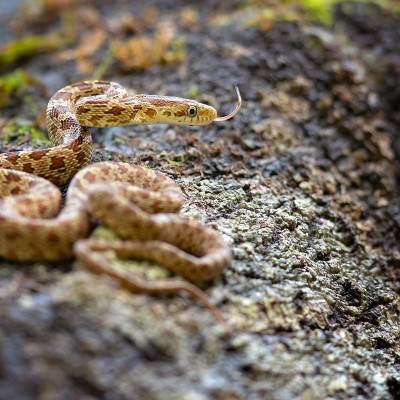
(207, 114)
(103, 111)
(173, 110)
(178, 111)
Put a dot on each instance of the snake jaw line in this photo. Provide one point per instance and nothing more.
(235, 111)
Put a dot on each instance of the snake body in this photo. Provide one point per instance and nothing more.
(137, 203)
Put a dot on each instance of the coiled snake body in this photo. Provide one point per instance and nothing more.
(139, 204)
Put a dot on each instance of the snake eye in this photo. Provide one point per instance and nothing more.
(191, 111)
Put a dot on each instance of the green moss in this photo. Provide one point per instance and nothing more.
(193, 92)
(12, 84)
(319, 9)
(18, 128)
(176, 161)
(26, 47)
(29, 46)
(104, 233)
(177, 52)
(143, 268)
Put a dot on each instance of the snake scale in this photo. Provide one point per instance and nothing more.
(139, 204)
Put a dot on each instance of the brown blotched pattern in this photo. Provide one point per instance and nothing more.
(139, 204)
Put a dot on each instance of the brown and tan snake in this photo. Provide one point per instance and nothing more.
(140, 205)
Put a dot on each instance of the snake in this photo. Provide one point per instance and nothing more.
(139, 204)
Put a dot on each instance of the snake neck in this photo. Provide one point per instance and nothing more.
(72, 143)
